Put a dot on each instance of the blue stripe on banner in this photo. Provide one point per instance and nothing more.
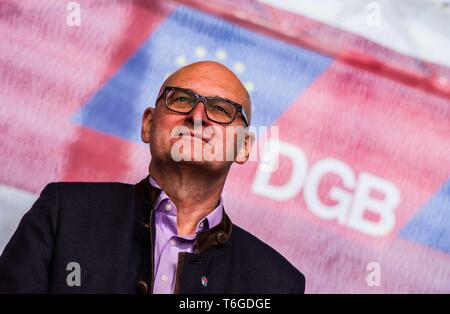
(275, 72)
(431, 224)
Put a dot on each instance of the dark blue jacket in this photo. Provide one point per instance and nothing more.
(107, 229)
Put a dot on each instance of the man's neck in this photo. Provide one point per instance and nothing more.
(194, 192)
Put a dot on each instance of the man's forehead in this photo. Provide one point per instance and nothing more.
(207, 87)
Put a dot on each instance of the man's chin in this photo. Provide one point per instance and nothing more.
(198, 161)
(191, 158)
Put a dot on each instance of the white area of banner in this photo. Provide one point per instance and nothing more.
(417, 28)
(14, 204)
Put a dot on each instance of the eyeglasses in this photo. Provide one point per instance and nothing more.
(217, 109)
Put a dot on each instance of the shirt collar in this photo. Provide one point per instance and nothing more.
(210, 221)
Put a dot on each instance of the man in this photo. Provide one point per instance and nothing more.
(168, 233)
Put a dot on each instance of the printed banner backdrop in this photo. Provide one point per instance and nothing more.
(363, 183)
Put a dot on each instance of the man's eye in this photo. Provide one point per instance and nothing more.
(219, 109)
(184, 99)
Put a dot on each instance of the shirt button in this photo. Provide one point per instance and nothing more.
(173, 242)
(168, 207)
(164, 278)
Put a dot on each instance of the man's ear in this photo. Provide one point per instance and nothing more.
(244, 152)
(147, 118)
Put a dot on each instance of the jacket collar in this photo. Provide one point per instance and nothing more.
(207, 239)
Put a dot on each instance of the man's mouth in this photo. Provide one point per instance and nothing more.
(196, 135)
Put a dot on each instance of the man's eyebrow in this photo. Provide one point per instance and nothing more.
(214, 96)
(185, 88)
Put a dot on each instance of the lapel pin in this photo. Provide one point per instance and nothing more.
(204, 281)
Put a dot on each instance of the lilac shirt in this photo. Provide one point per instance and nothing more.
(168, 244)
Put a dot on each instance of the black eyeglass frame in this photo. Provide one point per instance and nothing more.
(204, 100)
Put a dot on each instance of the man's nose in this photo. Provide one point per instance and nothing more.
(199, 113)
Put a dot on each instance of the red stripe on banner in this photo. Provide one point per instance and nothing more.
(96, 156)
(39, 98)
(360, 121)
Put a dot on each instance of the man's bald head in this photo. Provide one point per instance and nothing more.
(209, 78)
